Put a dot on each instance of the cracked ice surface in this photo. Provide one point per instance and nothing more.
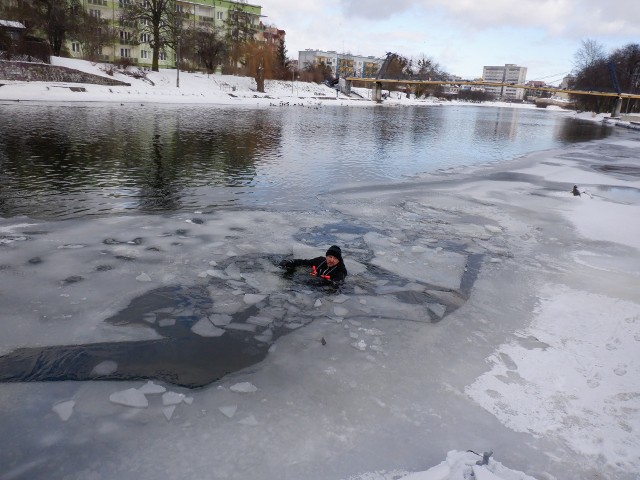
(536, 361)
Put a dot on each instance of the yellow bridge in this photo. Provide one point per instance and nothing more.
(377, 87)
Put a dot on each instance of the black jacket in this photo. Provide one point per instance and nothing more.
(319, 268)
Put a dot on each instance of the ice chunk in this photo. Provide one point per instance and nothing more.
(105, 368)
(168, 412)
(64, 409)
(253, 298)
(188, 400)
(340, 311)
(143, 277)
(318, 303)
(243, 387)
(129, 398)
(220, 320)
(438, 309)
(151, 388)
(205, 328)
(260, 321)
(172, 398)
(242, 326)
(361, 345)
(216, 274)
(167, 322)
(229, 410)
(249, 421)
(493, 229)
(340, 298)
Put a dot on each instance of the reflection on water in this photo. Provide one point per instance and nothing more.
(69, 161)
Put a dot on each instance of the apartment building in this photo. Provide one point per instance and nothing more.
(341, 64)
(204, 14)
(509, 73)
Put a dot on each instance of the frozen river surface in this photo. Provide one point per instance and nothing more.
(485, 309)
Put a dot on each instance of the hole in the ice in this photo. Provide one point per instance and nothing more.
(205, 337)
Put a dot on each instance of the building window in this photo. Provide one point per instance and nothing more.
(144, 54)
(144, 38)
(162, 56)
(75, 47)
(220, 15)
(125, 52)
(94, 13)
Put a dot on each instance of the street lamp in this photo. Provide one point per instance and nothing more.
(178, 63)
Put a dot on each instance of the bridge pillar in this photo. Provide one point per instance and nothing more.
(376, 92)
(617, 108)
(345, 86)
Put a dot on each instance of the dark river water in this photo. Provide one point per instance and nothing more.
(61, 161)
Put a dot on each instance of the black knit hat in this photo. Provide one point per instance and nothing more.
(335, 251)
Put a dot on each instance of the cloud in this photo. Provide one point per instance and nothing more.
(576, 18)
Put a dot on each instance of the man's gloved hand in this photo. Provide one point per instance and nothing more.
(286, 264)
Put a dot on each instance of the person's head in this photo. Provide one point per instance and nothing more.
(334, 256)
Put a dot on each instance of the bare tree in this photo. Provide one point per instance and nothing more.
(590, 53)
(240, 31)
(205, 47)
(157, 18)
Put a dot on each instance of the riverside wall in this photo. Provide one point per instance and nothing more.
(42, 72)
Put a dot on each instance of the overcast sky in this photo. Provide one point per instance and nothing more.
(461, 35)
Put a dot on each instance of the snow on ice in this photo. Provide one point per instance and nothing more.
(480, 313)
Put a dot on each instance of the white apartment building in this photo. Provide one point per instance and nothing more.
(508, 73)
(341, 64)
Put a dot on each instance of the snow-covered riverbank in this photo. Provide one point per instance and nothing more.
(537, 361)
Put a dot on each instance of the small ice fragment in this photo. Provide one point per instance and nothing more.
(68, 247)
(213, 263)
(495, 260)
(260, 321)
(243, 387)
(217, 274)
(418, 249)
(372, 331)
(202, 275)
(220, 320)
(167, 322)
(353, 335)
(340, 311)
(250, 421)
(438, 309)
(168, 412)
(151, 388)
(64, 409)
(129, 398)
(493, 229)
(361, 345)
(229, 411)
(105, 368)
(340, 298)
(253, 298)
(318, 303)
(205, 328)
(172, 398)
(143, 277)
(188, 400)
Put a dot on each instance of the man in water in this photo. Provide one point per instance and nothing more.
(330, 267)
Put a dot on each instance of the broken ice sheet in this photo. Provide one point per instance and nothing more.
(168, 412)
(172, 398)
(229, 410)
(243, 387)
(151, 388)
(205, 328)
(64, 409)
(129, 398)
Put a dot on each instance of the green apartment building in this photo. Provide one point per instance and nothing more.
(135, 48)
